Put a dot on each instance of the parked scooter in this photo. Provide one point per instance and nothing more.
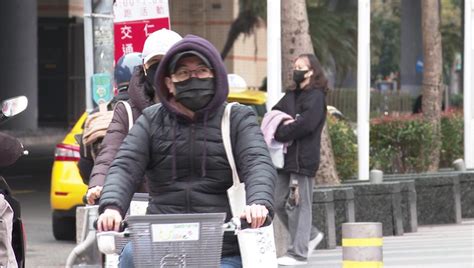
(10, 151)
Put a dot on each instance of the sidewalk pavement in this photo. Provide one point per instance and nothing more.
(437, 246)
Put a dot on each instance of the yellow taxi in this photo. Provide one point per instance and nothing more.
(254, 98)
(67, 187)
(239, 92)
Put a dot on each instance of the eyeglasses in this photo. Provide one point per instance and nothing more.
(200, 72)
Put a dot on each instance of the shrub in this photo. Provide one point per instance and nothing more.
(452, 132)
(344, 145)
(456, 100)
(400, 144)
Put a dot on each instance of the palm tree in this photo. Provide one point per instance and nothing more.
(432, 76)
(333, 30)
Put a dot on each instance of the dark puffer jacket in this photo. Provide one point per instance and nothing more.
(308, 107)
(184, 158)
(118, 128)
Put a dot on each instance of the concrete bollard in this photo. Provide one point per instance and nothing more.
(362, 245)
(376, 176)
(459, 165)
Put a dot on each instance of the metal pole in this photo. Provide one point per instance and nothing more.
(273, 52)
(363, 87)
(103, 36)
(88, 53)
(468, 83)
(98, 41)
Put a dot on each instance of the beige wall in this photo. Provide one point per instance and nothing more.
(60, 8)
(249, 57)
(212, 19)
(206, 18)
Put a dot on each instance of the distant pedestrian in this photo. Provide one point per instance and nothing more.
(294, 191)
(418, 105)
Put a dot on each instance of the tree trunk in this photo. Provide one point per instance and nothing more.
(432, 76)
(295, 37)
(327, 174)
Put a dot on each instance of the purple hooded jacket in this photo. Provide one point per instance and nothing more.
(184, 158)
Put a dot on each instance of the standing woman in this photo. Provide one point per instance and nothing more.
(294, 190)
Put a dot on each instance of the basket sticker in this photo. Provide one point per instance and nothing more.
(175, 232)
(138, 207)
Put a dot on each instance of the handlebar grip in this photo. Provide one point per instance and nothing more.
(244, 224)
(123, 225)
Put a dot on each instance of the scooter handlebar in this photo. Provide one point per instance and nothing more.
(245, 225)
(242, 225)
(123, 225)
(11, 150)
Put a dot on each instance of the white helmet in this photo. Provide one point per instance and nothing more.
(158, 43)
(236, 83)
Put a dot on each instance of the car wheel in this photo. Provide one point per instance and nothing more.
(64, 227)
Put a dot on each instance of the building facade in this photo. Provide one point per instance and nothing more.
(54, 39)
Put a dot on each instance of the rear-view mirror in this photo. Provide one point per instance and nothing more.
(14, 106)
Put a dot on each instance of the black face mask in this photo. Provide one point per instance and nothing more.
(150, 73)
(195, 93)
(298, 76)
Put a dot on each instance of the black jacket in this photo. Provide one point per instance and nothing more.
(202, 172)
(184, 158)
(308, 107)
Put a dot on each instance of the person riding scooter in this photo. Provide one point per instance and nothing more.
(12, 241)
(122, 74)
(142, 95)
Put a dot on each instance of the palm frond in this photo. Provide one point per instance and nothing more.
(251, 15)
(334, 37)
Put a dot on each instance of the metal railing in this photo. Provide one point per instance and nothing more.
(345, 100)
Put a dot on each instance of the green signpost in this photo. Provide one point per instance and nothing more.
(101, 88)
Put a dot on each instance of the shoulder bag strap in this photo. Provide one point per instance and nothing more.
(225, 129)
(128, 108)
